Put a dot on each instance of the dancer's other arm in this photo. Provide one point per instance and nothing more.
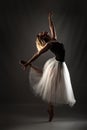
(51, 26)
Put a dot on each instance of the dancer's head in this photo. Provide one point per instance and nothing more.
(42, 39)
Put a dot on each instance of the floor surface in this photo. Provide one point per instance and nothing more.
(36, 118)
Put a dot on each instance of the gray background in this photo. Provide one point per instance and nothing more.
(20, 22)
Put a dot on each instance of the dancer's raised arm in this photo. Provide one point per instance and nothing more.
(51, 27)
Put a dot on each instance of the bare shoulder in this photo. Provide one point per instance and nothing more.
(51, 42)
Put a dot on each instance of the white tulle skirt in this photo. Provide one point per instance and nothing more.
(54, 84)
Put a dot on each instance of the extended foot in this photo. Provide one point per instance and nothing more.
(51, 113)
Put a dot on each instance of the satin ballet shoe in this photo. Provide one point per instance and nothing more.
(51, 113)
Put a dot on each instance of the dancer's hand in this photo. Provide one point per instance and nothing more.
(23, 64)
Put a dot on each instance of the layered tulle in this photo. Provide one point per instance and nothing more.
(54, 84)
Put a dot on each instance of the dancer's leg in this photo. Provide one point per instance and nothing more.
(36, 69)
(50, 111)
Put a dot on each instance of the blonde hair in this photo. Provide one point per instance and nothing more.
(39, 44)
(42, 39)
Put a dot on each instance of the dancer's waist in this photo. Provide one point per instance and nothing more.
(60, 59)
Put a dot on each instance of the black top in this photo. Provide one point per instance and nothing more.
(59, 51)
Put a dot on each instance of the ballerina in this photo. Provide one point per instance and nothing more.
(53, 82)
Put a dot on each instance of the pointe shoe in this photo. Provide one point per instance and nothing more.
(51, 114)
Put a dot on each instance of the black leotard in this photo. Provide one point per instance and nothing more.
(59, 51)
